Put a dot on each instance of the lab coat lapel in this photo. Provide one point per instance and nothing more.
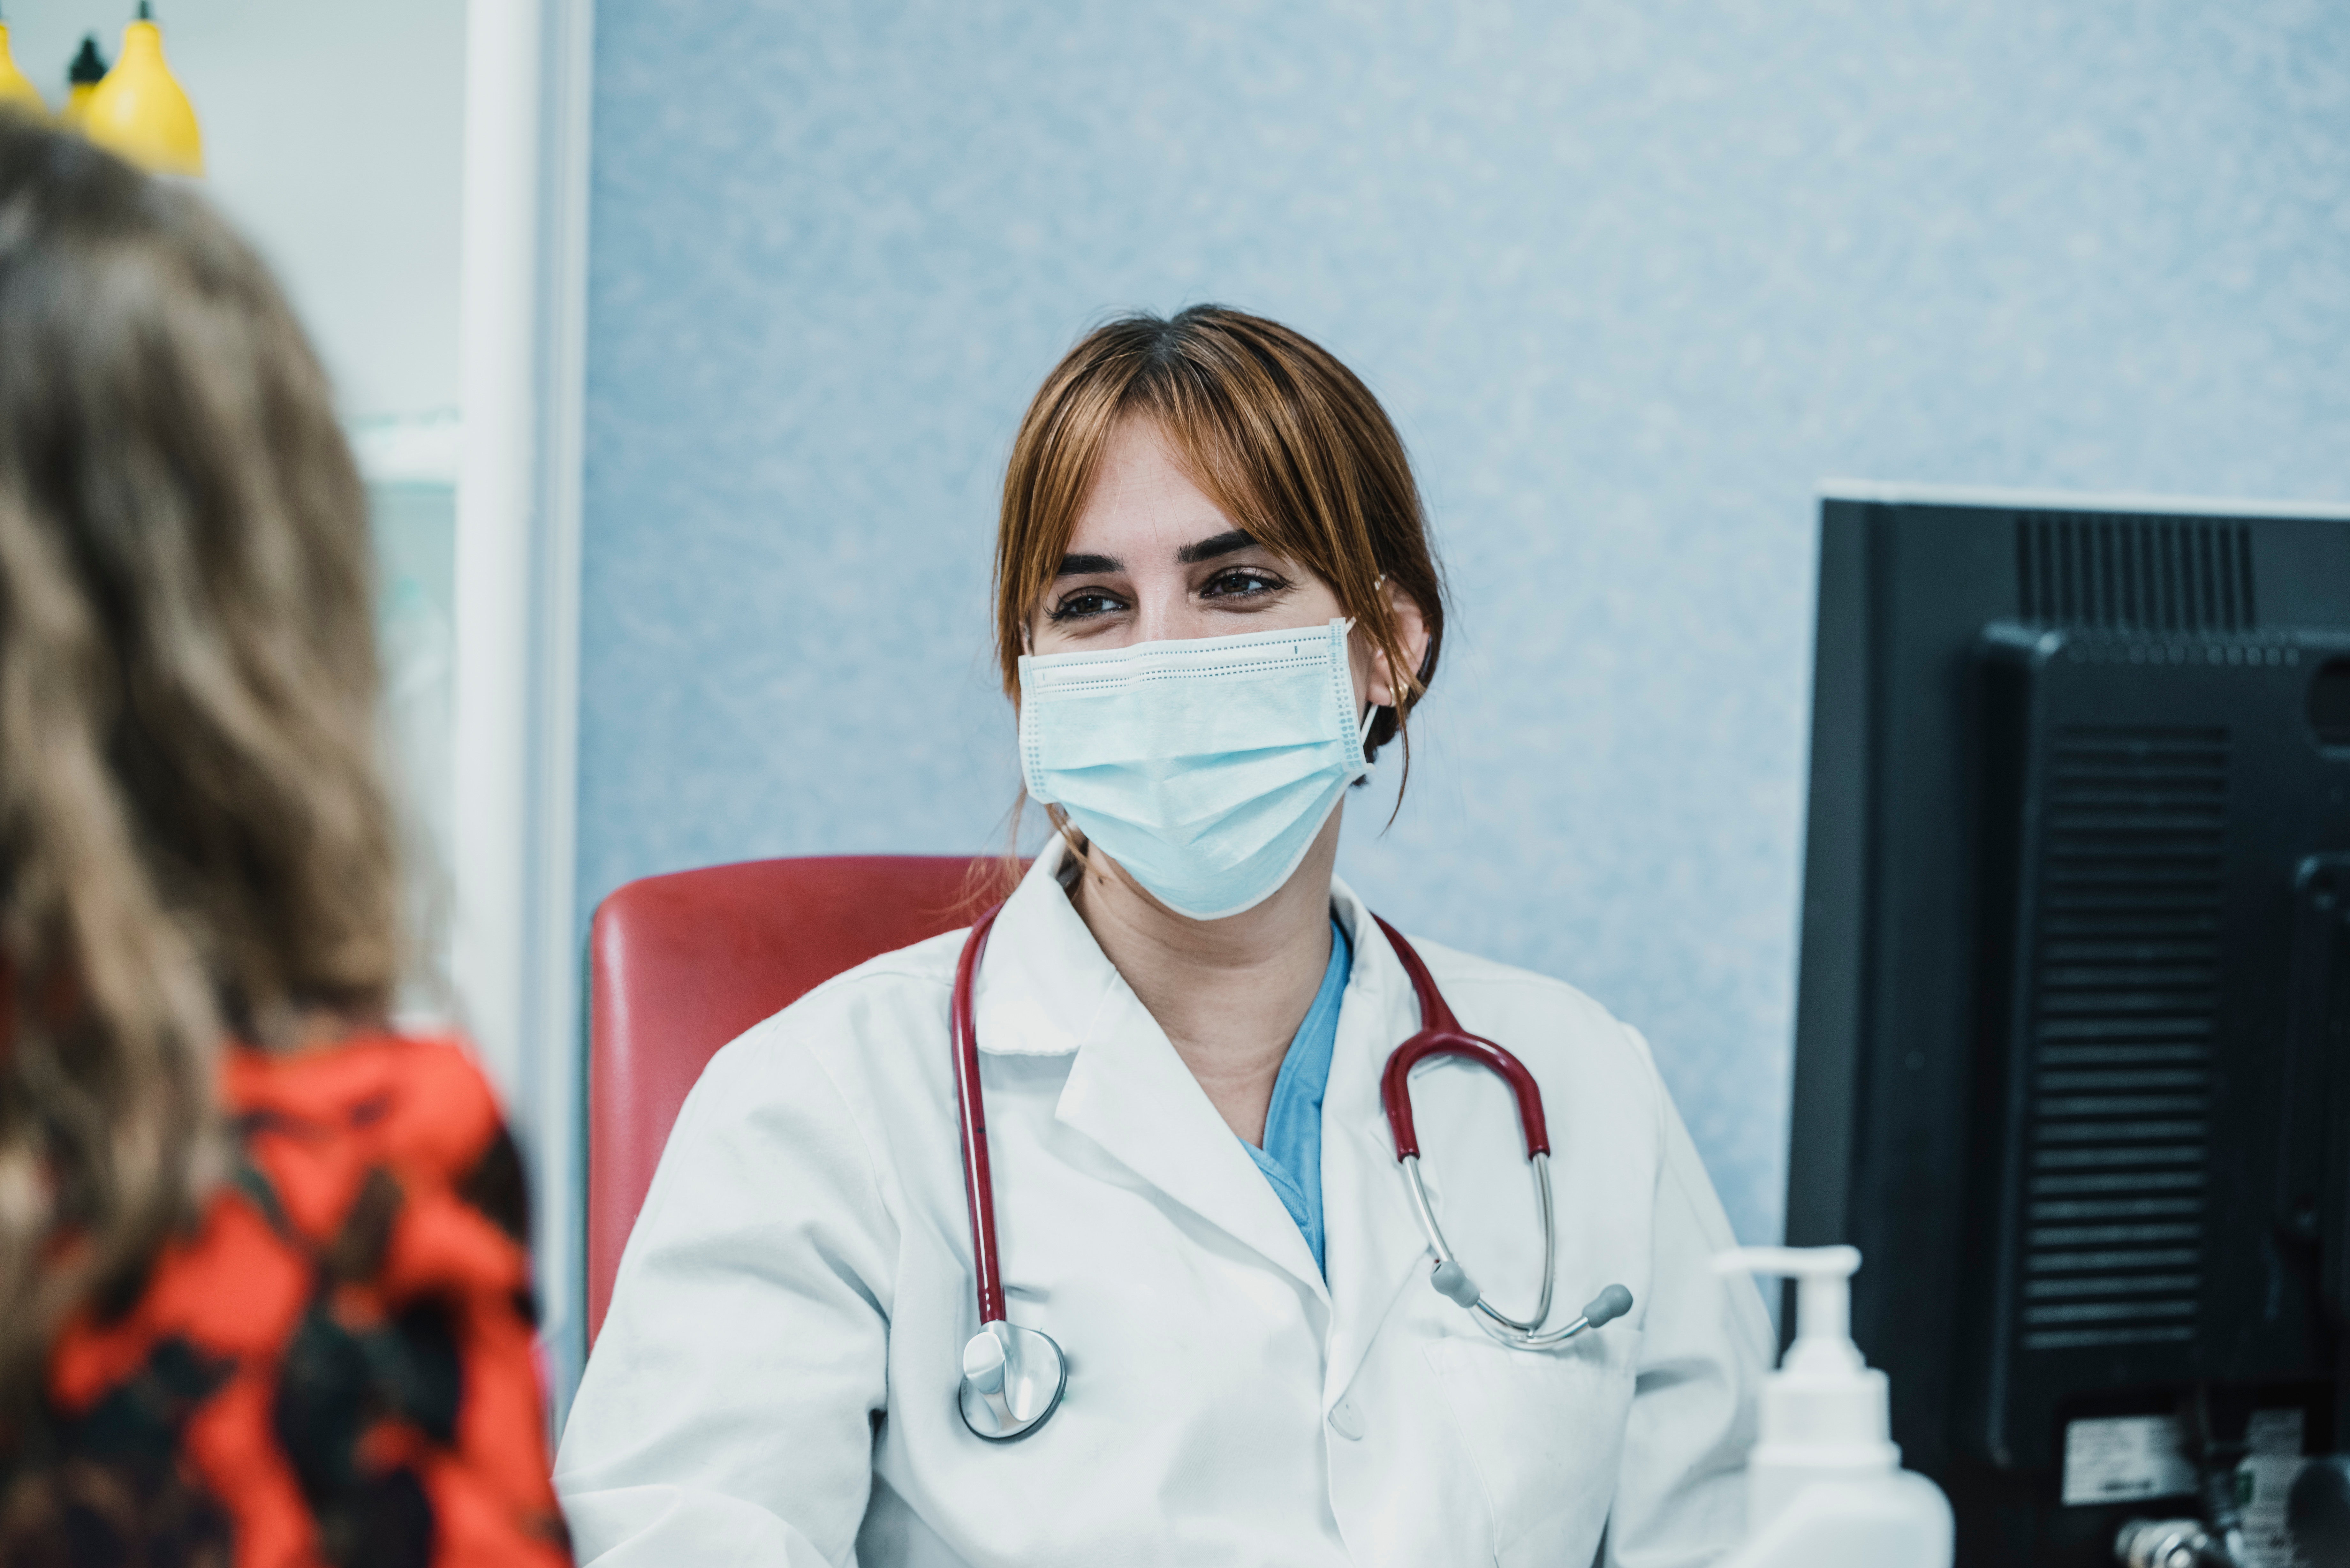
(1373, 1244)
(1046, 988)
(1131, 1094)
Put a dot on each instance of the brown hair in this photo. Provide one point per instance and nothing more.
(1285, 441)
(195, 837)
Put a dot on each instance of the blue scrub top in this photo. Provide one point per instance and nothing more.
(1291, 1156)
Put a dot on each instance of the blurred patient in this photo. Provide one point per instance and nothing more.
(264, 1284)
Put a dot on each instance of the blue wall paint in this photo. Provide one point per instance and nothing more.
(1630, 278)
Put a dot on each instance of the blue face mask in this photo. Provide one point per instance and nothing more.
(1205, 768)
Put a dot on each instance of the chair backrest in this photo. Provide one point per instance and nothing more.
(678, 965)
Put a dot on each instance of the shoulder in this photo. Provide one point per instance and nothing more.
(879, 1007)
(419, 1091)
(1476, 985)
(345, 1328)
(801, 1107)
(869, 1038)
(1568, 1038)
(321, 1127)
(1556, 1029)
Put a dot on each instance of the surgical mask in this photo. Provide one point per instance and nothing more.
(1205, 768)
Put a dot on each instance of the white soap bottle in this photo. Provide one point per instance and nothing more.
(1824, 1486)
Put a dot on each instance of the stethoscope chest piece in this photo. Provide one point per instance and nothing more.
(1013, 1379)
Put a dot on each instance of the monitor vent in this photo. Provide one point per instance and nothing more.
(2135, 574)
(2126, 977)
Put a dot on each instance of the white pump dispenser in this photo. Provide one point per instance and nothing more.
(1824, 1485)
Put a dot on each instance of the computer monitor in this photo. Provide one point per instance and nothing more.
(2074, 991)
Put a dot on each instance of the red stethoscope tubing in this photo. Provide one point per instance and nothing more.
(978, 1184)
(1439, 1034)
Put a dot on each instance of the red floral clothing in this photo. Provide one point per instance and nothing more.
(335, 1366)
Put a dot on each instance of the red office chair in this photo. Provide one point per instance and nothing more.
(678, 965)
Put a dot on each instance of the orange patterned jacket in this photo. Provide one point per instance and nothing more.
(335, 1366)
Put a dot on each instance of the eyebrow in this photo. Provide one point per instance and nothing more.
(1189, 554)
(1208, 549)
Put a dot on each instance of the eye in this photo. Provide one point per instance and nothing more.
(1242, 582)
(1084, 604)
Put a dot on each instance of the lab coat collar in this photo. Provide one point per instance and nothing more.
(1044, 984)
(1047, 989)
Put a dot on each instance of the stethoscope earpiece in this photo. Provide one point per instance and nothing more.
(1453, 1282)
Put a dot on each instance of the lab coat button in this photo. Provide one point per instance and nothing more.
(1346, 1420)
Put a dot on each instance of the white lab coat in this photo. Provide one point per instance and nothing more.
(776, 1380)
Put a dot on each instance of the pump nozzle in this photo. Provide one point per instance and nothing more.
(1822, 1277)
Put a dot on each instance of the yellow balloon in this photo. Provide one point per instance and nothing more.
(140, 111)
(17, 92)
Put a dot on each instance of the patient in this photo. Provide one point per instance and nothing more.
(264, 1294)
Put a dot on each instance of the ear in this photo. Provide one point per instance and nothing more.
(1412, 630)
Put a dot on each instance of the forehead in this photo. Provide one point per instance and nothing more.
(1143, 504)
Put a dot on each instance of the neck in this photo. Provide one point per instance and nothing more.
(1229, 994)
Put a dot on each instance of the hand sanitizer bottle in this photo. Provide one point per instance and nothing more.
(1824, 1486)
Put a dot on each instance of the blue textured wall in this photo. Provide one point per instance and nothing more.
(1630, 278)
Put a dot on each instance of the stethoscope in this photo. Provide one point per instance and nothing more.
(1014, 1378)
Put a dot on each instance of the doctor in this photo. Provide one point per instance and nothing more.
(1212, 573)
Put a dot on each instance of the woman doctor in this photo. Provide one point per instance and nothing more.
(1211, 570)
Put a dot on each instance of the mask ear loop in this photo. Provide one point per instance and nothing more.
(1363, 734)
(1370, 713)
